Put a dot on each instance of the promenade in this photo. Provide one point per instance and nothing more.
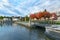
(23, 23)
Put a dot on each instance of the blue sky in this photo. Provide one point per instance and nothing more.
(26, 7)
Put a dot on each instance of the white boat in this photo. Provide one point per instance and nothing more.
(53, 32)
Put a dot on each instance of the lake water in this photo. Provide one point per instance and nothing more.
(18, 32)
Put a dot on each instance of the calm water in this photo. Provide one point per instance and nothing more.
(18, 32)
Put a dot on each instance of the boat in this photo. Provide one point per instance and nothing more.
(53, 32)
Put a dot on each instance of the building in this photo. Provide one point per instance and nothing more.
(53, 16)
(45, 15)
(16, 18)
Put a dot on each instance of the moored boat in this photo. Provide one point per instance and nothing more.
(53, 32)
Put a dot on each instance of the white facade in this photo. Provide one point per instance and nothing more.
(58, 18)
(6, 19)
(15, 19)
(35, 19)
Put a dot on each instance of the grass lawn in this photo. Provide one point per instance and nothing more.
(48, 22)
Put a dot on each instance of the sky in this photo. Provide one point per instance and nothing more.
(26, 7)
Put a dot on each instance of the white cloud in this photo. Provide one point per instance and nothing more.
(5, 2)
(34, 9)
(45, 3)
(7, 10)
(26, 7)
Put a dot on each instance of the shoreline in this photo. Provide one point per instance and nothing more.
(24, 24)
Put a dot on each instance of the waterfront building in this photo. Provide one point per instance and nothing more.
(53, 16)
(45, 15)
(16, 18)
(7, 19)
(58, 18)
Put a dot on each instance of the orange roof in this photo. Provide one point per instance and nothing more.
(41, 14)
(32, 16)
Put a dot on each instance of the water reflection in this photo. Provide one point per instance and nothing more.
(17, 32)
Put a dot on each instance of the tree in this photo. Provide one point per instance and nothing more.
(26, 18)
(1, 17)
